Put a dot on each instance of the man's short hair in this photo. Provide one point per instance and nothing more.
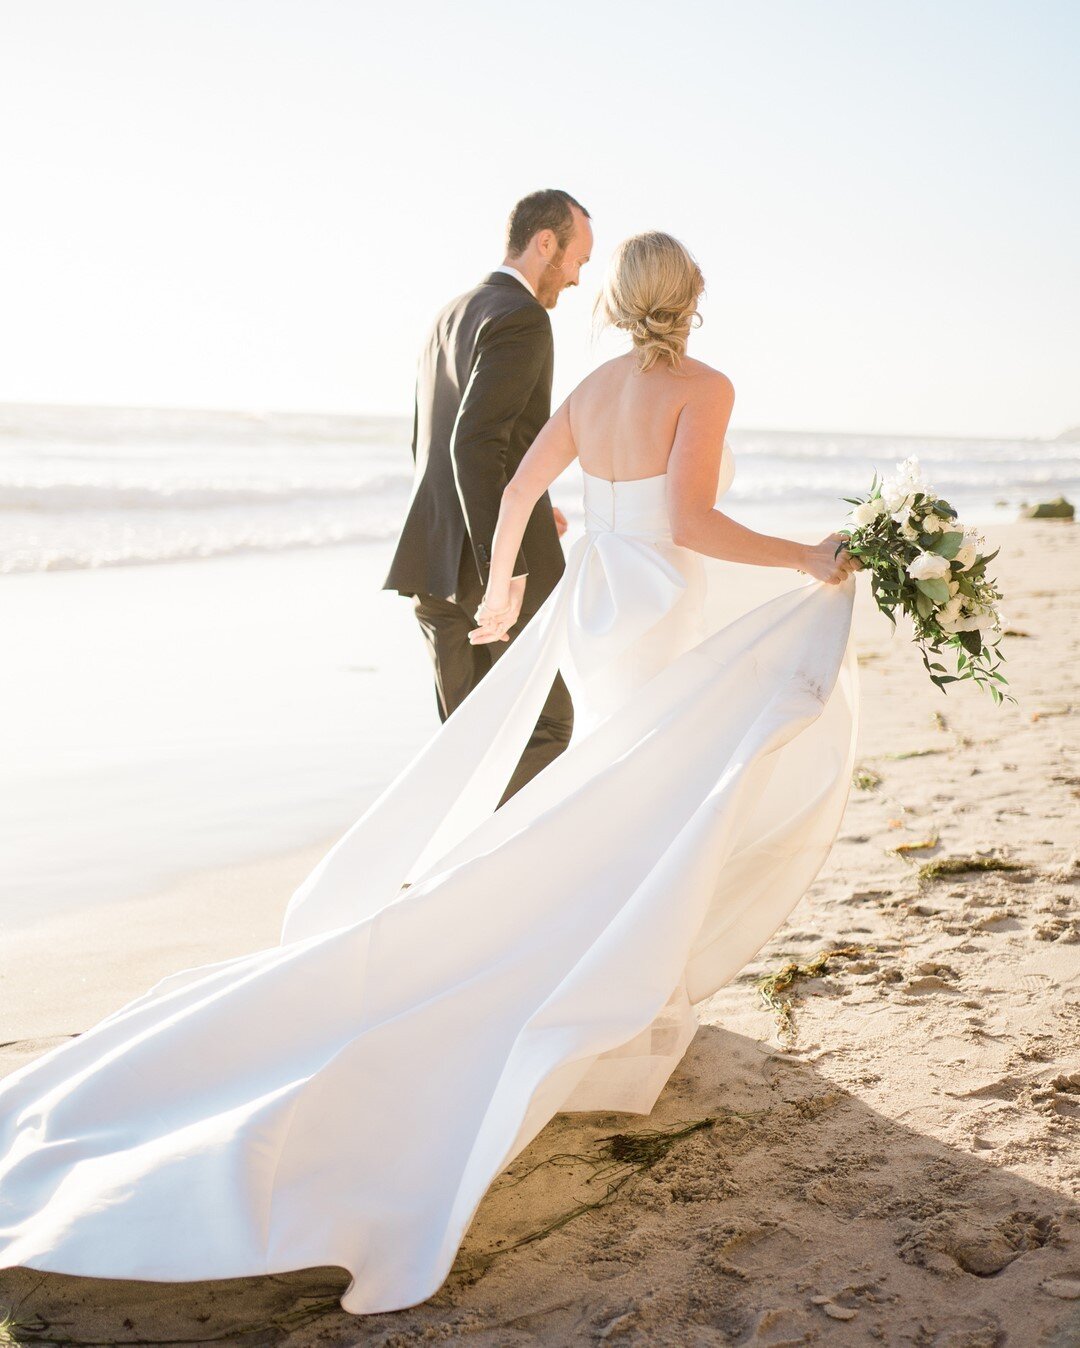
(549, 208)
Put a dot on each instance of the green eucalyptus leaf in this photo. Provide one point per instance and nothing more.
(948, 544)
(936, 589)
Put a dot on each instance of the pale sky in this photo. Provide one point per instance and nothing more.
(262, 203)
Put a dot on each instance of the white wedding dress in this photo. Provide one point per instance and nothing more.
(348, 1096)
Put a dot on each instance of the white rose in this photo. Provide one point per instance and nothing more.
(928, 566)
(906, 531)
(865, 513)
(933, 524)
(954, 587)
(949, 612)
(972, 622)
(966, 555)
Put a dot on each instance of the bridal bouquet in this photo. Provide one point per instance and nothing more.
(924, 562)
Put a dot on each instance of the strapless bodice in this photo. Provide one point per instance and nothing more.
(637, 507)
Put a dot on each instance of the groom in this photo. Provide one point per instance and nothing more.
(483, 391)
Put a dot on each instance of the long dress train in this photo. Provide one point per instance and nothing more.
(347, 1096)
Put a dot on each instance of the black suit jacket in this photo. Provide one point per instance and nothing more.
(483, 391)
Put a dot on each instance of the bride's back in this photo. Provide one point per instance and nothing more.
(623, 419)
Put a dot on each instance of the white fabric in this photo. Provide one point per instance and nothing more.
(513, 271)
(347, 1097)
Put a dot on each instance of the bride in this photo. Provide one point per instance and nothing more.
(453, 974)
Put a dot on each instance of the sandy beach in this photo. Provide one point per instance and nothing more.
(897, 1161)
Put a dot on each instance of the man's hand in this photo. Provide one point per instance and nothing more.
(560, 520)
(495, 626)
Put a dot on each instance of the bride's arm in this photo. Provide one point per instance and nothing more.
(693, 481)
(550, 453)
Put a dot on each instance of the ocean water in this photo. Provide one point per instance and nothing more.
(98, 487)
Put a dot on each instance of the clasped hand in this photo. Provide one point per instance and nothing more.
(495, 623)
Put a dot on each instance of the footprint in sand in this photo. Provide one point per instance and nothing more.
(1059, 1096)
(932, 976)
(1001, 920)
(970, 1241)
(1033, 982)
(1001, 1088)
(1066, 1287)
(929, 983)
(1058, 929)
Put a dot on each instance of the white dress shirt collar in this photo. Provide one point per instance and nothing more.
(513, 271)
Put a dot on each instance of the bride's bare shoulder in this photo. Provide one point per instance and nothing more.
(604, 371)
(694, 382)
(707, 380)
(598, 386)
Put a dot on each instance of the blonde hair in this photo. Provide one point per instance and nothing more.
(651, 291)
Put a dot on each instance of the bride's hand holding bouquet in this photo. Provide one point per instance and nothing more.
(924, 562)
(830, 561)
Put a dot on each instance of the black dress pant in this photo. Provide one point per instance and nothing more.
(459, 667)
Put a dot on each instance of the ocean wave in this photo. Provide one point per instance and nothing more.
(758, 484)
(887, 451)
(57, 497)
(95, 553)
(756, 481)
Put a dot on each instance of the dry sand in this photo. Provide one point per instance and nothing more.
(903, 1170)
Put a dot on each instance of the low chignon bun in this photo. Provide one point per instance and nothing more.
(651, 291)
